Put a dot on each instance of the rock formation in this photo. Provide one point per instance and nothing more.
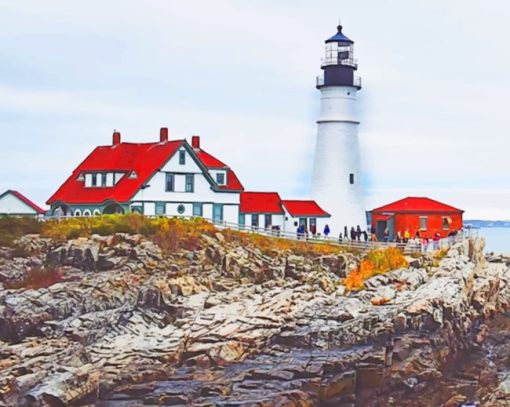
(229, 325)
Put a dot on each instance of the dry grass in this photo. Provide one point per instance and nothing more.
(376, 262)
(273, 245)
(12, 228)
(171, 234)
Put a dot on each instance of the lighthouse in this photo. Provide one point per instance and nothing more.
(336, 184)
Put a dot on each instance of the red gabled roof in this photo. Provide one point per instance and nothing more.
(260, 202)
(304, 208)
(417, 204)
(24, 199)
(210, 162)
(143, 158)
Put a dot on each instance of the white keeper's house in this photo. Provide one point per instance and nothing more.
(175, 178)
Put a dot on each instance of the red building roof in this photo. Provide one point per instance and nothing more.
(261, 202)
(25, 200)
(304, 208)
(142, 158)
(417, 204)
(210, 162)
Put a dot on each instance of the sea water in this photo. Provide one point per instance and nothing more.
(497, 240)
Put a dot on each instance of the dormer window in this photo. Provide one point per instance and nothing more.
(133, 175)
(182, 157)
(103, 179)
(220, 178)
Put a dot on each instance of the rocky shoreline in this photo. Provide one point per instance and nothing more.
(229, 325)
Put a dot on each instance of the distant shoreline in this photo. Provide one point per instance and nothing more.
(487, 223)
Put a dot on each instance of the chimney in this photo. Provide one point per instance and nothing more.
(163, 134)
(116, 138)
(195, 142)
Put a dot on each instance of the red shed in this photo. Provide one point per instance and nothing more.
(416, 214)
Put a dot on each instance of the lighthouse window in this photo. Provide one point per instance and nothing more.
(351, 179)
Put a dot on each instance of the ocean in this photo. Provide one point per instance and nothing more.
(497, 239)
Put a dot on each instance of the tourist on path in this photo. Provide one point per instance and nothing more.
(353, 234)
(326, 230)
(358, 233)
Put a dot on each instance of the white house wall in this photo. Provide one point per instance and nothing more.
(12, 205)
(202, 192)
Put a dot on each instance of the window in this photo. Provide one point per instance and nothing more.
(96, 212)
(182, 157)
(197, 209)
(242, 219)
(220, 178)
(267, 221)
(217, 212)
(180, 209)
(446, 222)
(87, 212)
(423, 222)
(351, 179)
(160, 208)
(169, 182)
(133, 175)
(77, 212)
(189, 183)
(94, 179)
(103, 179)
(255, 221)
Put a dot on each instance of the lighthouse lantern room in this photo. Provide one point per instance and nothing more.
(336, 183)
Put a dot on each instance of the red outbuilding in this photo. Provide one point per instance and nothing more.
(416, 214)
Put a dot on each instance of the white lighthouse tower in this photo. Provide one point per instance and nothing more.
(336, 180)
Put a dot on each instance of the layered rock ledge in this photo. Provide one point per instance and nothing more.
(229, 325)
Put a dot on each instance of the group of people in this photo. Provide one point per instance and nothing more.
(420, 242)
(354, 234)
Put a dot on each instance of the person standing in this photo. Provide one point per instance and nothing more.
(358, 233)
(326, 230)
(407, 235)
(353, 234)
(346, 233)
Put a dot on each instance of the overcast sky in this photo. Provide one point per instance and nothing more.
(434, 107)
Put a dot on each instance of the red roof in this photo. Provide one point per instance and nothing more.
(261, 202)
(24, 199)
(144, 158)
(304, 208)
(417, 204)
(233, 183)
(208, 160)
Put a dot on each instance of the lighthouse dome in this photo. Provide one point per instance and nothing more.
(339, 37)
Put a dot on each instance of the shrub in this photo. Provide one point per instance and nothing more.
(12, 228)
(375, 262)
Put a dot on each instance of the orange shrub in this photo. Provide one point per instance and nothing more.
(376, 262)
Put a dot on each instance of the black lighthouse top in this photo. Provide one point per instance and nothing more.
(339, 63)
